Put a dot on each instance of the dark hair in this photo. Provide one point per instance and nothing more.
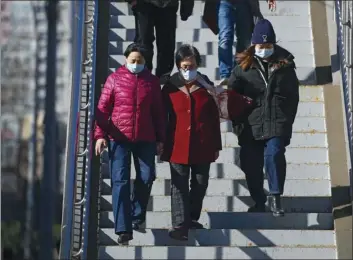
(135, 47)
(187, 51)
(246, 58)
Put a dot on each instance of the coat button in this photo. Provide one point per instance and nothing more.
(189, 111)
(189, 128)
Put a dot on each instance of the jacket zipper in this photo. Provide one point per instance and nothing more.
(135, 111)
(267, 91)
(264, 110)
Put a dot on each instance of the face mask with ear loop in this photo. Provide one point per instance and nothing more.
(264, 53)
(188, 75)
(134, 67)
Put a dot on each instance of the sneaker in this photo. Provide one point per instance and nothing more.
(124, 238)
(276, 206)
(179, 233)
(257, 208)
(196, 225)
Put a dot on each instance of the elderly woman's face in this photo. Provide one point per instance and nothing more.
(135, 58)
(188, 64)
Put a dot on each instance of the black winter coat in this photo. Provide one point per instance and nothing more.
(276, 97)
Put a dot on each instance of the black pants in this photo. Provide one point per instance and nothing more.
(187, 202)
(149, 17)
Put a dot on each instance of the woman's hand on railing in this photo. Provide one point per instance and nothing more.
(101, 144)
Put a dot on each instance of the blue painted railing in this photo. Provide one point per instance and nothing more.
(90, 121)
(72, 131)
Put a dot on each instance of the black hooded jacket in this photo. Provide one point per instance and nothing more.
(274, 87)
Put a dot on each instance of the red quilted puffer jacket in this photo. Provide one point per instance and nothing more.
(131, 108)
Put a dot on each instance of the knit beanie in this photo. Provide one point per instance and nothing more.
(263, 33)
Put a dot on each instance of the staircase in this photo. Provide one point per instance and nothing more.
(306, 231)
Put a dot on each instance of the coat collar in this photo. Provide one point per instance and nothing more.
(179, 82)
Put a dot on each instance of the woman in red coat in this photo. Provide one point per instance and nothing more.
(130, 114)
(193, 140)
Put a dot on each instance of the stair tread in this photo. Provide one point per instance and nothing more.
(231, 187)
(178, 252)
(237, 220)
(235, 204)
(227, 237)
(233, 171)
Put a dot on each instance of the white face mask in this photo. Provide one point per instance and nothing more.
(264, 53)
(134, 67)
(188, 75)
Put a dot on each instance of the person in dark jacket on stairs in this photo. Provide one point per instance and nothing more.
(266, 73)
(162, 16)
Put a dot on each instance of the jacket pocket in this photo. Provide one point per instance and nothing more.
(255, 116)
(280, 108)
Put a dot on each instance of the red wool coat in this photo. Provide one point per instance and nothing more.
(193, 128)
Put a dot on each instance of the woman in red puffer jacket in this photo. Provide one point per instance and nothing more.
(130, 115)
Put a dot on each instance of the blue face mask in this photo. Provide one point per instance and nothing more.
(263, 53)
(188, 75)
(134, 67)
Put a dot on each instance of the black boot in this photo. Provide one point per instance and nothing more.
(136, 225)
(196, 225)
(179, 233)
(124, 238)
(276, 206)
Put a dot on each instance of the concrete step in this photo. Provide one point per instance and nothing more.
(299, 140)
(293, 155)
(227, 237)
(237, 220)
(187, 35)
(227, 187)
(232, 171)
(310, 125)
(211, 48)
(177, 252)
(286, 9)
(234, 204)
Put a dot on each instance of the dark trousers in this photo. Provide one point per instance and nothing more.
(186, 202)
(148, 18)
(257, 154)
(128, 208)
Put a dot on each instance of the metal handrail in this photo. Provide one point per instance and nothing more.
(72, 135)
(344, 19)
(90, 106)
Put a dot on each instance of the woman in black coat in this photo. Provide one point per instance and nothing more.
(265, 73)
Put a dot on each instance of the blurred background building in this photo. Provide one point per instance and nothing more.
(23, 36)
